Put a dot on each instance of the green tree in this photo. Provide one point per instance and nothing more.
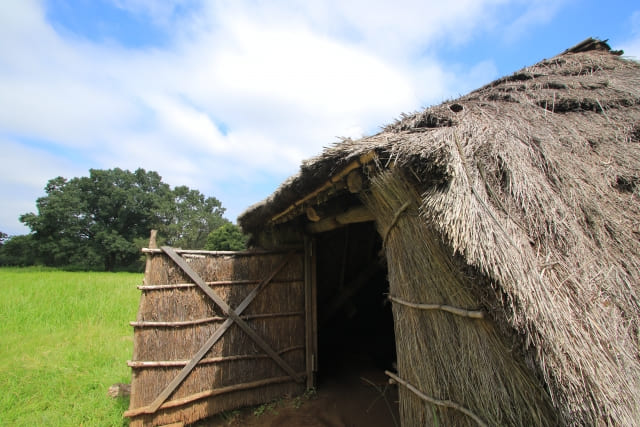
(190, 217)
(17, 250)
(97, 222)
(228, 237)
(61, 229)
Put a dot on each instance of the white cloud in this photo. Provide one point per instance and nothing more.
(536, 12)
(161, 12)
(631, 47)
(24, 174)
(243, 91)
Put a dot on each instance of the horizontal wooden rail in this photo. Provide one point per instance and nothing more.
(176, 324)
(210, 393)
(210, 360)
(225, 253)
(215, 283)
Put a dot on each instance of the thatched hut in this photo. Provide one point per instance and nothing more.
(508, 225)
(501, 229)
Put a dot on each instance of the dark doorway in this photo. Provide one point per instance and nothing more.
(355, 323)
(356, 341)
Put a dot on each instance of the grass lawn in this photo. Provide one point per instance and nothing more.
(64, 339)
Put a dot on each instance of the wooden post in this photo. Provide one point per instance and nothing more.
(152, 239)
(310, 310)
(152, 245)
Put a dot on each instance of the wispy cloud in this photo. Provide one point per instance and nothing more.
(631, 47)
(241, 92)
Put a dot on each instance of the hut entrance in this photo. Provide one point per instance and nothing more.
(355, 323)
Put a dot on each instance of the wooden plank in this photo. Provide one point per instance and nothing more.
(217, 334)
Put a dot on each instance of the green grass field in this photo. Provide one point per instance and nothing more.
(64, 339)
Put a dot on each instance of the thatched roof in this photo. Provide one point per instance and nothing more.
(534, 180)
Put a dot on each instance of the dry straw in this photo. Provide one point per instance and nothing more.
(446, 356)
(525, 199)
(175, 320)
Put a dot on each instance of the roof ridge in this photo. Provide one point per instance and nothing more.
(590, 44)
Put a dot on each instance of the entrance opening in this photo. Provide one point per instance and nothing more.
(356, 341)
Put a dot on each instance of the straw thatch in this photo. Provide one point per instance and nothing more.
(521, 199)
(175, 318)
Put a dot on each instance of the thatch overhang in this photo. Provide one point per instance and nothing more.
(533, 182)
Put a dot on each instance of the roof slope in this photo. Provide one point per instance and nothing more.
(535, 180)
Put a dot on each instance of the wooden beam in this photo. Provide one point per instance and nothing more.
(355, 181)
(323, 225)
(362, 160)
(312, 214)
(352, 216)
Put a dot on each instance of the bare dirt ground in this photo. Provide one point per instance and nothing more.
(352, 396)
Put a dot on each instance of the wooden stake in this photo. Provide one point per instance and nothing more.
(438, 402)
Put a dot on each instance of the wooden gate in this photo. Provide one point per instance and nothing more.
(220, 330)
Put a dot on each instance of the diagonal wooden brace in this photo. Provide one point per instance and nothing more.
(233, 317)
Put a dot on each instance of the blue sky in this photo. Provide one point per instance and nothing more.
(228, 97)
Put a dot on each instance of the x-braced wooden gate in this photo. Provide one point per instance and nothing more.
(220, 330)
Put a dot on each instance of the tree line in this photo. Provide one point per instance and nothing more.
(101, 222)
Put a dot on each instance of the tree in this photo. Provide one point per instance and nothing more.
(228, 237)
(18, 250)
(190, 218)
(95, 222)
(62, 227)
